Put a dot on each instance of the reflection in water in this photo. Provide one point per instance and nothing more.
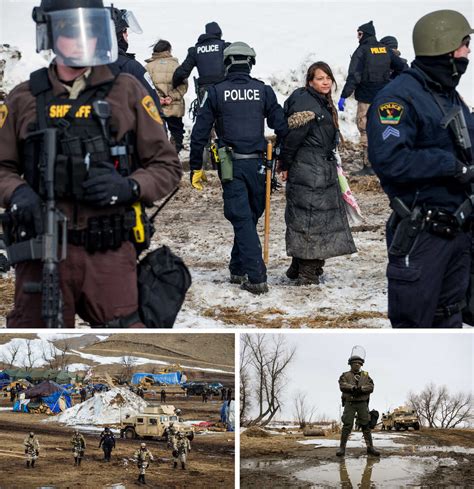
(252, 464)
(368, 473)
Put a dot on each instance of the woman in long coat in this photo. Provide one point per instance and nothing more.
(317, 225)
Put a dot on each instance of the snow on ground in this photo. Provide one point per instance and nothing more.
(103, 408)
(78, 367)
(382, 440)
(104, 360)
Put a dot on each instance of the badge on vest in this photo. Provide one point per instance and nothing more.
(378, 50)
(151, 109)
(3, 114)
(390, 113)
(60, 110)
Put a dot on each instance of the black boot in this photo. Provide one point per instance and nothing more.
(237, 279)
(309, 272)
(143, 479)
(27, 464)
(370, 446)
(175, 465)
(256, 289)
(79, 461)
(75, 461)
(33, 464)
(342, 447)
(183, 465)
(365, 171)
(293, 270)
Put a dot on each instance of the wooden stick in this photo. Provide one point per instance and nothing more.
(268, 191)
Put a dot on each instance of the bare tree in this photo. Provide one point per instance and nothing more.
(49, 356)
(30, 356)
(11, 355)
(127, 363)
(268, 358)
(304, 413)
(245, 380)
(439, 409)
(63, 359)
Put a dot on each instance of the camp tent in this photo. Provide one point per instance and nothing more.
(172, 378)
(65, 377)
(4, 380)
(46, 393)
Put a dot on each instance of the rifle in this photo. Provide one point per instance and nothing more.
(271, 184)
(46, 246)
(456, 121)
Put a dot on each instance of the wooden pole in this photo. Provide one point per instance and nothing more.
(268, 191)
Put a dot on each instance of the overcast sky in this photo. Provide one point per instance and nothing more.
(397, 362)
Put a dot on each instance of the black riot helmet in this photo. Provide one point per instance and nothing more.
(80, 32)
(125, 19)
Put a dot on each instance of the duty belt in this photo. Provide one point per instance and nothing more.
(250, 156)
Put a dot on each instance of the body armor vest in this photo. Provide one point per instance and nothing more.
(377, 64)
(84, 138)
(210, 61)
(241, 113)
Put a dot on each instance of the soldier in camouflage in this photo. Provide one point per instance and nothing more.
(356, 387)
(32, 447)
(78, 447)
(143, 458)
(181, 450)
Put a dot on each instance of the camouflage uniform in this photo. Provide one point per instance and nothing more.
(31, 445)
(356, 388)
(143, 457)
(181, 450)
(78, 446)
(172, 432)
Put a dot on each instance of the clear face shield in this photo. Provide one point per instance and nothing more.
(132, 22)
(79, 37)
(358, 352)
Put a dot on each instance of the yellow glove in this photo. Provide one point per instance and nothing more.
(197, 179)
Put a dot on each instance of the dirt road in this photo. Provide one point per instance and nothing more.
(429, 458)
(210, 463)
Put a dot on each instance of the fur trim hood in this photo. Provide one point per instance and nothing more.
(300, 119)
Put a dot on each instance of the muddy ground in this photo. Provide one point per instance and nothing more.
(273, 461)
(192, 224)
(210, 463)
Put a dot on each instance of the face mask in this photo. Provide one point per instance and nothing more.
(123, 44)
(461, 65)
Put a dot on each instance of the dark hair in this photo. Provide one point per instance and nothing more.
(321, 65)
(161, 46)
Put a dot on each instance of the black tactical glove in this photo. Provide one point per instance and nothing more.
(464, 174)
(25, 208)
(105, 186)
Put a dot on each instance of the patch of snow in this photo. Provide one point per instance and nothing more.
(76, 367)
(41, 350)
(103, 408)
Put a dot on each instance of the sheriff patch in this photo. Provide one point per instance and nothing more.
(390, 113)
(151, 109)
(60, 111)
(3, 114)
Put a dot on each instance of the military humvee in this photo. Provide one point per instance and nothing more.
(153, 423)
(401, 418)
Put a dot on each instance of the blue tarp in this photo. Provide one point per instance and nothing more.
(172, 378)
(53, 401)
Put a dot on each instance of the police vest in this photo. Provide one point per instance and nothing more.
(241, 113)
(210, 60)
(83, 140)
(377, 64)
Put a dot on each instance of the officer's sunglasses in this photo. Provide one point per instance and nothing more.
(360, 34)
(466, 42)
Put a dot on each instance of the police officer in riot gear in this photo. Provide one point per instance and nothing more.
(111, 152)
(238, 106)
(356, 387)
(370, 69)
(125, 20)
(207, 56)
(426, 174)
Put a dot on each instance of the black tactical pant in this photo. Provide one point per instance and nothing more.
(244, 204)
(433, 278)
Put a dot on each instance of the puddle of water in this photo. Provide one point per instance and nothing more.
(116, 486)
(252, 463)
(356, 440)
(456, 449)
(369, 472)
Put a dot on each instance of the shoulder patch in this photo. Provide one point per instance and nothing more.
(3, 114)
(390, 113)
(150, 106)
(363, 372)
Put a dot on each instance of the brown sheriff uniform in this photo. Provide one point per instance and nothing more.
(101, 286)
